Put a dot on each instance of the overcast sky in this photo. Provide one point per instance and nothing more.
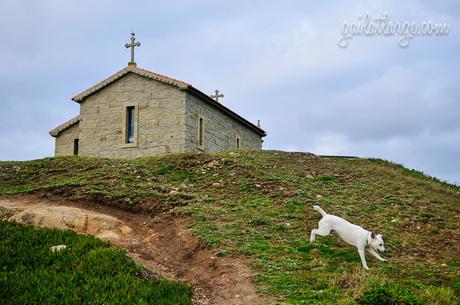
(279, 63)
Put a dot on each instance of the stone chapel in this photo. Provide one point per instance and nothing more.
(137, 113)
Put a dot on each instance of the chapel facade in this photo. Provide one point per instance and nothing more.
(138, 113)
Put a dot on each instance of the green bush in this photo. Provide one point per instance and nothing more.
(389, 294)
(88, 271)
(165, 170)
(440, 296)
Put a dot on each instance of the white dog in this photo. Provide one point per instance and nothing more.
(351, 234)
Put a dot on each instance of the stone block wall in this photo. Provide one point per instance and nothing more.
(159, 122)
(220, 130)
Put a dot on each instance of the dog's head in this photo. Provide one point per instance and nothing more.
(376, 242)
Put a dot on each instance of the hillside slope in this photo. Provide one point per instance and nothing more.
(259, 204)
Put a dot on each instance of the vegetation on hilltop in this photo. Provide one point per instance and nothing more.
(258, 204)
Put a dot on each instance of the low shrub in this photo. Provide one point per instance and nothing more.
(389, 294)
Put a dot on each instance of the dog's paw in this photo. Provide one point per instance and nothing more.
(384, 260)
(367, 268)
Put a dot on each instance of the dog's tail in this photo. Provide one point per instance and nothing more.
(317, 208)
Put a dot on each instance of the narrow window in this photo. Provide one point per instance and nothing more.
(200, 132)
(237, 142)
(75, 147)
(130, 124)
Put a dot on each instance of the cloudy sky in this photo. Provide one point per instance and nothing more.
(279, 63)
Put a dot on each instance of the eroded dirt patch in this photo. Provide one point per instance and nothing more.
(64, 217)
(165, 246)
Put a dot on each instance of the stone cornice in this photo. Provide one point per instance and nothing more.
(56, 131)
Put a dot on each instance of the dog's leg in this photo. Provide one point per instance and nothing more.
(377, 256)
(322, 230)
(363, 258)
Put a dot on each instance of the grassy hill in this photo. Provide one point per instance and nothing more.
(258, 204)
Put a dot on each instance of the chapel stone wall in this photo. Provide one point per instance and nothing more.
(220, 130)
(159, 119)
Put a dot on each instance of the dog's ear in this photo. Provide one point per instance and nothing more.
(372, 235)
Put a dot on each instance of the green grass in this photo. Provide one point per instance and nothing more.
(261, 208)
(88, 271)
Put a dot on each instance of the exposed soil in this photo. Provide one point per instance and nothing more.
(166, 246)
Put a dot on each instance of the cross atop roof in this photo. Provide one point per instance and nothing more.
(216, 96)
(132, 45)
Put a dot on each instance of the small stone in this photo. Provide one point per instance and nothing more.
(310, 176)
(173, 192)
(217, 184)
(258, 186)
(213, 164)
(394, 220)
(108, 235)
(444, 265)
(319, 196)
(125, 230)
(57, 248)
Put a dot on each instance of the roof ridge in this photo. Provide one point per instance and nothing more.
(161, 75)
(100, 85)
(139, 71)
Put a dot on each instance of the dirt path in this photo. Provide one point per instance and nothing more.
(164, 246)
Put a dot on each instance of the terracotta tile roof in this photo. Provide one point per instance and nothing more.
(56, 131)
(171, 81)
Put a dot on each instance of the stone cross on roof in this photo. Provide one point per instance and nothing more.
(216, 96)
(132, 45)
